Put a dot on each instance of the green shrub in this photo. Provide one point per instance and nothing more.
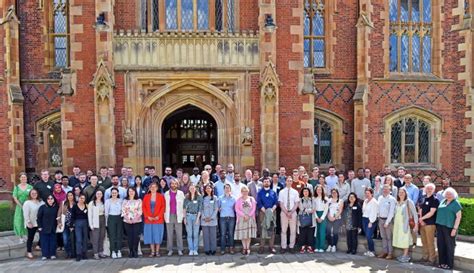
(467, 222)
(6, 216)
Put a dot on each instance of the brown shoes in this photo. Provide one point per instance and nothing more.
(383, 255)
(389, 257)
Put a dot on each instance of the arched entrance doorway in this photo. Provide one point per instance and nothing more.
(189, 137)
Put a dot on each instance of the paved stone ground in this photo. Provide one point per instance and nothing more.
(294, 263)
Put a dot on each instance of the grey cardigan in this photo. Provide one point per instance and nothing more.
(413, 212)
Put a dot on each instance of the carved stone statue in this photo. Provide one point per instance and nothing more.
(128, 137)
(247, 138)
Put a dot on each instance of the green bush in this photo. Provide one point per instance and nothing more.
(6, 216)
(467, 222)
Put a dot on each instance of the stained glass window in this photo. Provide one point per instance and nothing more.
(322, 142)
(60, 33)
(314, 34)
(410, 36)
(410, 141)
(55, 145)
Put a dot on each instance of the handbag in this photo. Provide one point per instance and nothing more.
(306, 220)
(411, 220)
(63, 223)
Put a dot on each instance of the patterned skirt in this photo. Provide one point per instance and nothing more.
(245, 229)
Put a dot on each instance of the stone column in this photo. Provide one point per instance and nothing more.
(14, 108)
(104, 83)
(269, 89)
(364, 26)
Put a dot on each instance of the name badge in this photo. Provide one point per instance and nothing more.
(266, 195)
(85, 211)
(354, 208)
(48, 186)
(28, 190)
(212, 201)
(195, 201)
(426, 203)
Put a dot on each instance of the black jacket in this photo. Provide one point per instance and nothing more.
(356, 214)
(44, 189)
(47, 218)
(398, 183)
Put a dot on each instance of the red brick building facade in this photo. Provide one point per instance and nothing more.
(364, 83)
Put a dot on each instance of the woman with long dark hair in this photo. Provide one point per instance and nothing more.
(79, 219)
(96, 217)
(321, 210)
(192, 211)
(68, 236)
(209, 220)
(47, 223)
(335, 207)
(353, 222)
(307, 209)
(132, 216)
(114, 222)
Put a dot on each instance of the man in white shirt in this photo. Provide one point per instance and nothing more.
(360, 184)
(236, 186)
(331, 179)
(289, 200)
(195, 177)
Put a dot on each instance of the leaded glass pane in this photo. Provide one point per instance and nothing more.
(416, 53)
(393, 52)
(55, 146)
(410, 131)
(230, 15)
(307, 53)
(318, 24)
(203, 14)
(393, 10)
(415, 10)
(186, 14)
(171, 14)
(307, 22)
(60, 51)
(427, 54)
(156, 15)
(318, 53)
(322, 142)
(423, 142)
(219, 18)
(404, 10)
(60, 22)
(396, 142)
(143, 13)
(427, 11)
(404, 54)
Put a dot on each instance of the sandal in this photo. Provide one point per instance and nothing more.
(153, 254)
(244, 251)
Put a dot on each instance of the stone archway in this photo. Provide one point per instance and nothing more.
(150, 102)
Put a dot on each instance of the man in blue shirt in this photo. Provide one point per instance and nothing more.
(219, 185)
(227, 217)
(412, 190)
(267, 201)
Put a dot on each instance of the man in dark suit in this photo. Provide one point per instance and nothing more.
(399, 182)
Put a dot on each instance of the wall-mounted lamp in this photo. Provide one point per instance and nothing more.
(270, 26)
(100, 24)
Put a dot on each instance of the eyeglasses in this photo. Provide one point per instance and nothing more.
(208, 169)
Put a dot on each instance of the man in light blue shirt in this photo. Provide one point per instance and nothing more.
(331, 179)
(226, 205)
(219, 185)
(412, 190)
(115, 184)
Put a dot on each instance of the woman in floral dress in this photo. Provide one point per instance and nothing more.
(246, 227)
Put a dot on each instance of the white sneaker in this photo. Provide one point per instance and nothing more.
(329, 249)
(53, 257)
(44, 258)
(196, 253)
(22, 240)
(140, 252)
(114, 255)
(170, 253)
(119, 254)
(370, 254)
(333, 249)
(321, 250)
(180, 253)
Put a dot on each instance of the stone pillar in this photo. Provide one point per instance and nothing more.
(269, 89)
(14, 129)
(364, 26)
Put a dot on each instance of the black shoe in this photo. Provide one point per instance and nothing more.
(84, 256)
(282, 251)
(78, 258)
(292, 250)
(213, 253)
(348, 251)
(130, 255)
(207, 253)
(354, 252)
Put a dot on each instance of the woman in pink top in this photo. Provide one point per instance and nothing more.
(132, 216)
(246, 227)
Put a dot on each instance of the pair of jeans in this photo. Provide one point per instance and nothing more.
(69, 245)
(369, 233)
(80, 230)
(133, 236)
(48, 246)
(192, 230)
(332, 231)
(210, 238)
(227, 225)
(306, 237)
(31, 237)
(115, 231)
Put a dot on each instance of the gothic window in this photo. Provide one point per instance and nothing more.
(410, 36)
(60, 33)
(188, 15)
(314, 34)
(410, 141)
(323, 134)
(55, 146)
(49, 141)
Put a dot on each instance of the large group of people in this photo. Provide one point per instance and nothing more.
(307, 209)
